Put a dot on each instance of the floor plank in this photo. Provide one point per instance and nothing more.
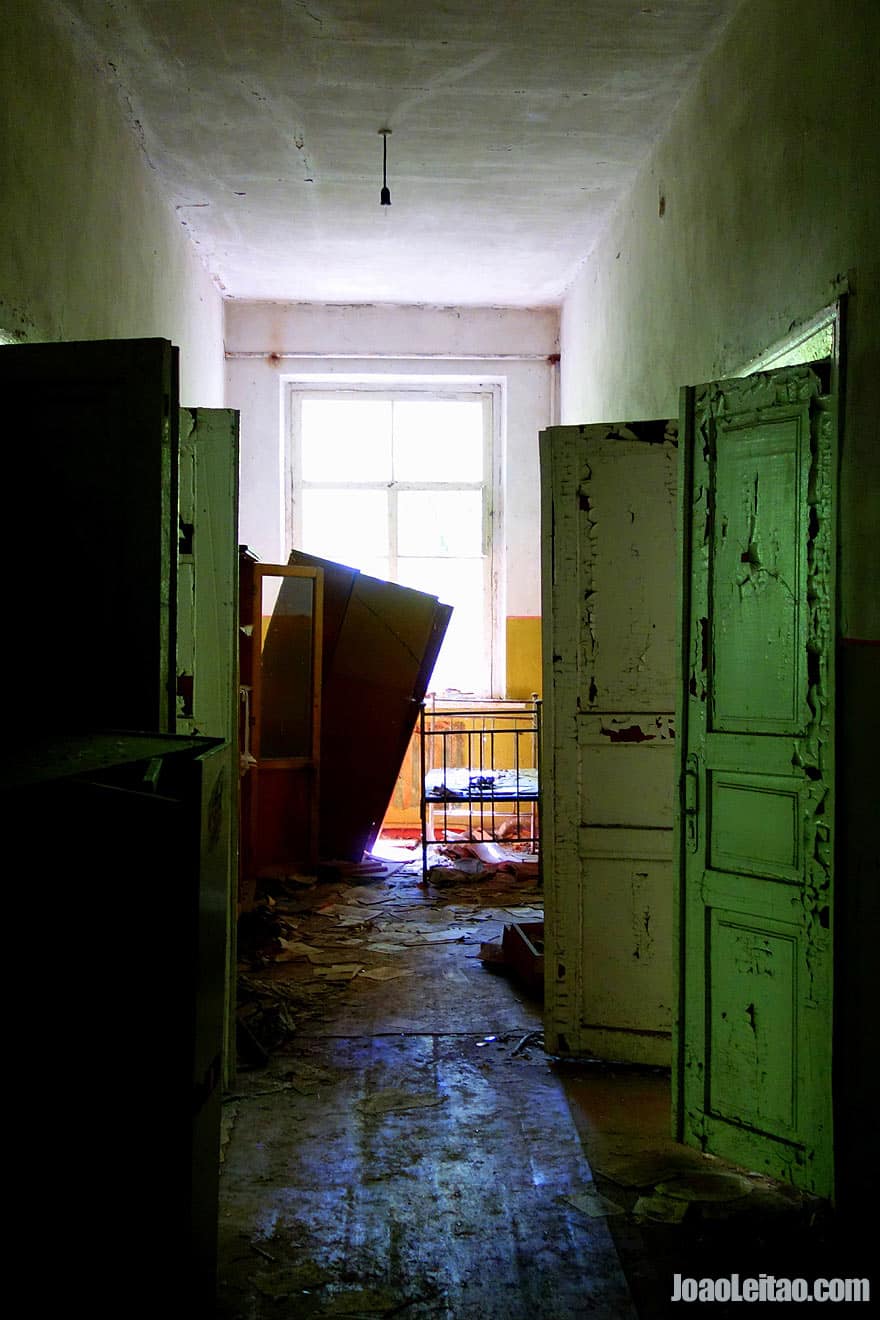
(406, 1155)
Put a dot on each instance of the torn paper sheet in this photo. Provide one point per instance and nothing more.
(594, 1204)
(338, 971)
(385, 973)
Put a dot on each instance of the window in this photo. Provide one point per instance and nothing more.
(816, 338)
(399, 483)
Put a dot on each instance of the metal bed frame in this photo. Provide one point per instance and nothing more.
(475, 760)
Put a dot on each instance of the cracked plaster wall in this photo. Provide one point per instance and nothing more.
(757, 204)
(90, 247)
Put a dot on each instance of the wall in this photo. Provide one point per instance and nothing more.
(90, 247)
(268, 343)
(756, 208)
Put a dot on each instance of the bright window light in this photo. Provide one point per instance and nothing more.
(399, 485)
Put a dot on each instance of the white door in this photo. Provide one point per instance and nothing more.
(608, 764)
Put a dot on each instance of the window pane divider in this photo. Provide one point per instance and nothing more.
(428, 486)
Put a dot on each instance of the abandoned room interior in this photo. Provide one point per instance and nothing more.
(441, 507)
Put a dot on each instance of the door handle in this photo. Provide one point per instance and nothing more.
(691, 802)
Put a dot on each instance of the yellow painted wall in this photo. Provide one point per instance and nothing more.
(523, 656)
(523, 680)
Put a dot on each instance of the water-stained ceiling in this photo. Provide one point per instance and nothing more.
(515, 126)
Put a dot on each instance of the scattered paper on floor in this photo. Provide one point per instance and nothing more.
(385, 973)
(594, 1204)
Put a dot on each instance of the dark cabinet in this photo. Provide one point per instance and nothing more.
(124, 841)
(90, 516)
(117, 948)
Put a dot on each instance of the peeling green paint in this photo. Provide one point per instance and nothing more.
(758, 776)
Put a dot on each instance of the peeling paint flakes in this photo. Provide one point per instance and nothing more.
(633, 733)
(641, 917)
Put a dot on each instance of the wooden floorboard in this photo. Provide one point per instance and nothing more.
(403, 1156)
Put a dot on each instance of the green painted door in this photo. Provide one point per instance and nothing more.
(757, 774)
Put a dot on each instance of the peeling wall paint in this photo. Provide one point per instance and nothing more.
(770, 193)
(91, 247)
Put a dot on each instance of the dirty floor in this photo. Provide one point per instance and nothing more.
(405, 1146)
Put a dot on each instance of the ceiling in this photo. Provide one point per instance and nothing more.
(515, 126)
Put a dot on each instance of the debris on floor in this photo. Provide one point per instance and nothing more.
(354, 929)
(467, 860)
(663, 1186)
(521, 952)
(423, 1184)
(514, 1046)
(705, 1187)
(291, 1281)
(386, 973)
(408, 1122)
(662, 1209)
(531, 1038)
(594, 1204)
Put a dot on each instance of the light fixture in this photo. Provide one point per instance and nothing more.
(385, 194)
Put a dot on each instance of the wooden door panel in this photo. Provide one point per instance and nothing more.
(757, 595)
(627, 935)
(208, 572)
(752, 1075)
(612, 772)
(754, 824)
(625, 498)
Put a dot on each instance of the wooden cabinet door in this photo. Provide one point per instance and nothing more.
(282, 627)
(90, 521)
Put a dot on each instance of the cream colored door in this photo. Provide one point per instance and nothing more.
(207, 641)
(608, 765)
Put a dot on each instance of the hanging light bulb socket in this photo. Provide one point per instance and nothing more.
(385, 194)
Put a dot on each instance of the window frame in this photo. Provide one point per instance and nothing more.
(490, 392)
